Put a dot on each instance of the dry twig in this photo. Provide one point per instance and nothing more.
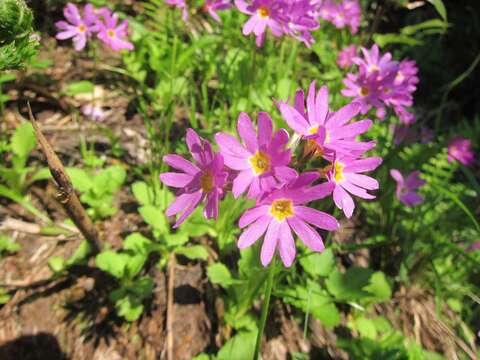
(66, 194)
(170, 309)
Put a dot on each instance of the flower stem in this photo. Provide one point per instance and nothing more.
(265, 306)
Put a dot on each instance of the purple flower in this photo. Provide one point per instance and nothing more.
(79, 28)
(281, 211)
(300, 21)
(460, 149)
(112, 34)
(345, 57)
(181, 4)
(94, 112)
(199, 181)
(381, 82)
(346, 175)
(347, 13)
(212, 6)
(264, 13)
(474, 247)
(326, 132)
(262, 161)
(406, 187)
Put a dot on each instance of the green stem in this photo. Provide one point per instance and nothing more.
(265, 306)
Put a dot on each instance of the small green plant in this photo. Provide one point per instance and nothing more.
(125, 266)
(15, 174)
(98, 189)
(7, 245)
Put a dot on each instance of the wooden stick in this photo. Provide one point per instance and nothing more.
(66, 194)
(170, 306)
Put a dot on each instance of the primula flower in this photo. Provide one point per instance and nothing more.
(406, 187)
(281, 211)
(182, 5)
(199, 181)
(112, 34)
(345, 173)
(212, 6)
(262, 160)
(300, 21)
(346, 13)
(460, 149)
(326, 132)
(94, 112)
(345, 57)
(79, 28)
(264, 13)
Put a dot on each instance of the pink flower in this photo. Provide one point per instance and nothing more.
(406, 187)
(345, 57)
(280, 212)
(262, 161)
(94, 112)
(460, 149)
(212, 6)
(113, 35)
(327, 129)
(199, 181)
(347, 13)
(264, 13)
(346, 175)
(181, 4)
(474, 247)
(79, 28)
(300, 21)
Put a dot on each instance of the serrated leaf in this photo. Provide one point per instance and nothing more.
(137, 243)
(23, 140)
(349, 286)
(112, 263)
(193, 252)
(154, 217)
(318, 264)
(379, 287)
(239, 347)
(143, 193)
(219, 274)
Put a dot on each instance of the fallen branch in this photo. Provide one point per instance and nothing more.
(66, 194)
(170, 307)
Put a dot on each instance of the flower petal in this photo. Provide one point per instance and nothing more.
(343, 201)
(265, 129)
(252, 215)
(247, 132)
(178, 180)
(241, 182)
(343, 115)
(318, 218)
(286, 244)
(306, 233)
(179, 163)
(363, 181)
(253, 232)
(269, 243)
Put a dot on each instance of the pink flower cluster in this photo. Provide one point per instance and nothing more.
(341, 14)
(103, 22)
(295, 18)
(380, 82)
(460, 149)
(259, 164)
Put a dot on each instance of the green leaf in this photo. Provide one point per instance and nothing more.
(379, 287)
(81, 254)
(239, 347)
(142, 287)
(80, 179)
(318, 264)
(219, 274)
(4, 296)
(112, 263)
(134, 265)
(23, 140)
(366, 328)
(143, 193)
(109, 180)
(78, 87)
(129, 307)
(154, 217)
(193, 252)
(137, 243)
(440, 7)
(175, 240)
(349, 286)
(57, 264)
(8, 245)
(42, 174)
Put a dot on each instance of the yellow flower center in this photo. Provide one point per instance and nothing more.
(373, 68)
(81, 28)
(263, 12)
(111, 33)
(364, 91)
(260, 162)
(400, 77)
(313, 130)
(339, 171)
(281, 209)
(206, 181)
